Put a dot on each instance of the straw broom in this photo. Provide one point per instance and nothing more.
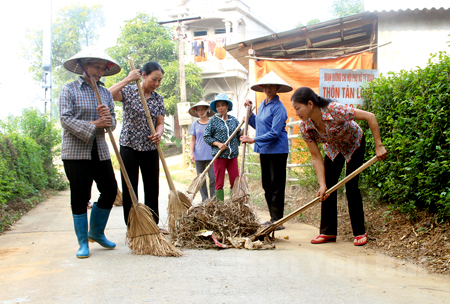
(143, 235)
(175, 206)
(198, 182)
(268, 229)
(240, 188)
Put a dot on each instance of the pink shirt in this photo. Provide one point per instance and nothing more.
(342, 133)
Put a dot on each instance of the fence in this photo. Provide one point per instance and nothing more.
(290, 165)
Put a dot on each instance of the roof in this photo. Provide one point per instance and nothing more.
(331, 38)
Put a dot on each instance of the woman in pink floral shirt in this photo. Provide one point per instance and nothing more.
(333, 124)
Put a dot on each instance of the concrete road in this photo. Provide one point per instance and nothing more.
(38, 265)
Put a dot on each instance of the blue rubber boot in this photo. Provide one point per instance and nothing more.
(80, 223)
(99, 218)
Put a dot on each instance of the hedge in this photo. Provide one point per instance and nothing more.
(412, 108)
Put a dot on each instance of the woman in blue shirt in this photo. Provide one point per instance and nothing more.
(271, 142)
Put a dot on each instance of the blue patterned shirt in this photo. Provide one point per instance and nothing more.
(77, 106)
(135, 129)
(219, 130)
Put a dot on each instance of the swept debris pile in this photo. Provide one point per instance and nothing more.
(213, 223)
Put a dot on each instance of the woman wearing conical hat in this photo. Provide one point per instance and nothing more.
(271, 142)
(84, 150)
(201, 151)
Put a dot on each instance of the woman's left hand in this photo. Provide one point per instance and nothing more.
(381, 152)
(155, 138)
(246, 139)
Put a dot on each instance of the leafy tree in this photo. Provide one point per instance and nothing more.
(145, 40)
(312, 21)
(342, 8)
(170, 86)
(75, 27)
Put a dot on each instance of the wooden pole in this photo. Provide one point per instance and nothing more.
(183, 98)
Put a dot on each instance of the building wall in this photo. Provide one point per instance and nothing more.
(414, 35)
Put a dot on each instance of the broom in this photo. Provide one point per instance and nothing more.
(240, 188)
(268, 229)
(175, 206)
(198, 182)
(143, 235)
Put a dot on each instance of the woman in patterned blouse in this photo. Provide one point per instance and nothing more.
(137, 144)
(328, 122)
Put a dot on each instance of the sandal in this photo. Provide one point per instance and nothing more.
(267, 223)
(280, 227)
(324, 239)
(357, 239)
(163, 231)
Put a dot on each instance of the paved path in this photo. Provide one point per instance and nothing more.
(38, 265)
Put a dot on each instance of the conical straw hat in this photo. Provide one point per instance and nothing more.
(272, 78)
(91, 53)
(193, 111)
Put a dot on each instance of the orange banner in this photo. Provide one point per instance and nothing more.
(305, 73)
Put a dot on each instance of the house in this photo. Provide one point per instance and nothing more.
(221, 23)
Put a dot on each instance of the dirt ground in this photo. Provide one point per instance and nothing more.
(423, 241)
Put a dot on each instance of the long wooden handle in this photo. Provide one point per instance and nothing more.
(345, 180)
(116, 150)
(152, 128)
(249, 111)
(220, 151)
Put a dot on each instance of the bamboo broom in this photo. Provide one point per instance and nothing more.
(175, 206)
(268, 229)
(240, 188)
(198, 182)
(143, 235)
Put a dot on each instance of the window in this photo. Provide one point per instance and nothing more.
(222, 31)
(200, 33)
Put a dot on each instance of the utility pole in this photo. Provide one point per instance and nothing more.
(180, 34)
(47, 68)
(47, 58)
(183, 99)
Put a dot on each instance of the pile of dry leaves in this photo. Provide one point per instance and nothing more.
(215, 224)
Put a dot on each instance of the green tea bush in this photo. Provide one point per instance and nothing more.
(28, 144)
(413, 110)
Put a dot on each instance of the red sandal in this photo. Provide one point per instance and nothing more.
(359, 237)
(324, 239)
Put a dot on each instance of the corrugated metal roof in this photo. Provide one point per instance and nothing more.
(335, 37)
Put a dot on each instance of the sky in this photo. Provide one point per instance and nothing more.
(20, 91)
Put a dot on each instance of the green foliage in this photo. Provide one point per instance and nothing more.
(27, 145)
(144, 40)
(342, 8)
(75, 26)
(412, 109)
(312, 21)
(170, 86)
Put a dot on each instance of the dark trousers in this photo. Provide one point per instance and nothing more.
(148, 162)
(200, 166)
(273, 175)
(328, 223)
(81, 173)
